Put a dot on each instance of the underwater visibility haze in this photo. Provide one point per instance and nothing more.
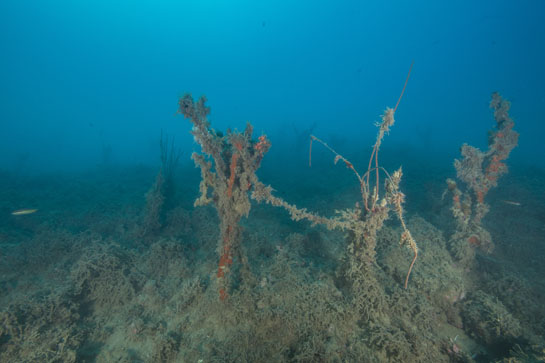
(258, 181)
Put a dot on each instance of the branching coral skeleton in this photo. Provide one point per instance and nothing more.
(393, 196)
(232, 177)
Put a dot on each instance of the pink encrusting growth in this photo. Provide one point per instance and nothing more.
(480, 171)
(236, 157)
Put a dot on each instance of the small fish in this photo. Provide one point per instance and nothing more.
(510, 202)
(22, 212)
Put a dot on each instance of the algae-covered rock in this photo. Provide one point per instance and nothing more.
(489, 321)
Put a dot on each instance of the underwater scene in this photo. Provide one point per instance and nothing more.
(259, 181)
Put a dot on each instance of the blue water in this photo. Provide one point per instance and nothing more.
(100, 262)
(79, 75)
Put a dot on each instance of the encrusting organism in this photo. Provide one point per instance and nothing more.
(362, 223)
(480, 171)
(226, 184)
(232, 179)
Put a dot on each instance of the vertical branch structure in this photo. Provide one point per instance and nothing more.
(480, 171)
(361, 223)
(375, 210)
(225, 182)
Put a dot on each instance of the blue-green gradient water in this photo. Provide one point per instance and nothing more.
(78, 75)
